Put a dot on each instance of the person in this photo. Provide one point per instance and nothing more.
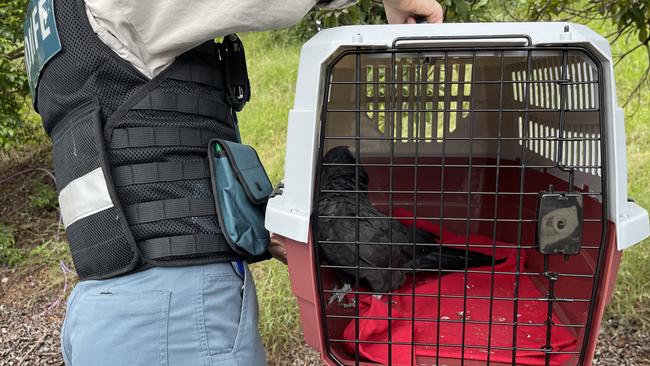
(131, 92)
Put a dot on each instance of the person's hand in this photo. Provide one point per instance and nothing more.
(277, 249)
(408, 11)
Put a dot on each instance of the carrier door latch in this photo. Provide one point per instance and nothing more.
(559, 222)
(278, 190)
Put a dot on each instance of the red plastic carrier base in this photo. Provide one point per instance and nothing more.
(304, 281)
(305, 287)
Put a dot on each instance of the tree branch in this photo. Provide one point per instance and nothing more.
(631, 50)
(17, 53)
(14, 54)
(642, 81)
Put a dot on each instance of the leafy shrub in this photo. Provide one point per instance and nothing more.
(43, 196)
(9, 254)
(18, 123)
(372, 12)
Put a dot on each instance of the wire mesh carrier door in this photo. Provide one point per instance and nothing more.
(460, 205)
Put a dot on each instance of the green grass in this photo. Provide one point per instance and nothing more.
(631, 301)
(273, 67)
(9, 253)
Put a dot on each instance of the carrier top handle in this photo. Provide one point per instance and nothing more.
(421, 19)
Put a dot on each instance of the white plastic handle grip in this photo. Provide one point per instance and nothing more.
(461, 42)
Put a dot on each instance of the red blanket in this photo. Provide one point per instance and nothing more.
(530, 317)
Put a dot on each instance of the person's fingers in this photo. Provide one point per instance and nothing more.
(277, 249)
(393, 16)
(279, 254)
(437, 15)
(408, 11)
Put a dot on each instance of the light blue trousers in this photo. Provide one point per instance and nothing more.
(193, 315)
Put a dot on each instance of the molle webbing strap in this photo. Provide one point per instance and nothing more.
(198, 74)
(175, 102)
(183, 245)
(141, 213)
(170, 171)
(135, 137)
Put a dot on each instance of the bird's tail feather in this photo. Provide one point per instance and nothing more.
(454, 258)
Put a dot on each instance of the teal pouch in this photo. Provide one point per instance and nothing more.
(241, 189)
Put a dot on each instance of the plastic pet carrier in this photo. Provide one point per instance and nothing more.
(455, 194)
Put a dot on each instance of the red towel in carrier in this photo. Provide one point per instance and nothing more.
(530, 317)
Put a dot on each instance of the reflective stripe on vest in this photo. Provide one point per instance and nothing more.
(84, 196)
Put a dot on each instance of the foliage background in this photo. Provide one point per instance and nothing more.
(18, 124)
(29, 229)
(626, 19)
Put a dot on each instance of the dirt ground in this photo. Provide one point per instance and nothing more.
(31, 311)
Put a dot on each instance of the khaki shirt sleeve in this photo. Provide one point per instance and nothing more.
(335, 4)
(151, 33)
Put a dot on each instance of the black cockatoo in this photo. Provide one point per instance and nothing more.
(374, 228)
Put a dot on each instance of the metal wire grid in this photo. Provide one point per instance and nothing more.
(525, 81)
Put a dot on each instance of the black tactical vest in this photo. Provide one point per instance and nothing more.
(130, 152)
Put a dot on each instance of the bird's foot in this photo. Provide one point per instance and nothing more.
(347, 305)
(338, 295)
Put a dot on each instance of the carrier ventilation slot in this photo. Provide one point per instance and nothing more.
(428, 100)
(581, 144)
(547, 79)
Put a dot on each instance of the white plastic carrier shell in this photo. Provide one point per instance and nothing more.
(288, 214)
